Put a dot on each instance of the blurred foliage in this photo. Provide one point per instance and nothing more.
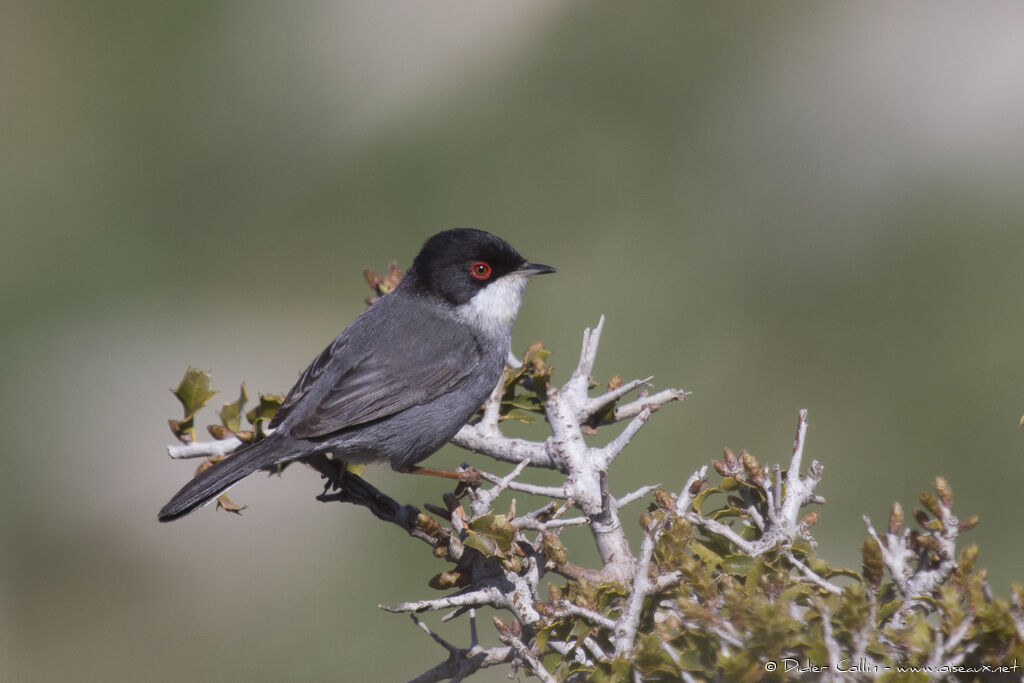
(734, 617)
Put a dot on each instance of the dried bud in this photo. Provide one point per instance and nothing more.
(439, 511)
(929, 542)
(181, 430)
(554, 593)
(512, 564)
(544, 609)
(452, 578)
(647, 520)
(382, 284)
(506, 631)
(969, 523)
(219, 432)
(922, 517)
(944, 490)
(553, 549)
(967, 559)
(753, 468)
(895, 519)
(615, 382)
(503, 628)
(930, 504)
(809, 520)
(697, 485)
(872, 566)
(429, 525)
(721, 468)
(664, 499)
(534, 347)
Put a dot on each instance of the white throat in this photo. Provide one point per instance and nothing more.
(493, 309)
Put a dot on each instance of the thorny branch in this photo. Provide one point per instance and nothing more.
(500, 559)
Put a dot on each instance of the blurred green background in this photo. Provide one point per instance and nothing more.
(777, 206)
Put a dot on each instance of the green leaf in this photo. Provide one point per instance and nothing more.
(650, 657)
(617, 671)
(690, 660)
(496, 527)
(699, 499)
(753, 577)
(231, 413)
(520, 416)
(194, 391)
(710, 558)
(485, 545)
(264, 412)
(739, 565)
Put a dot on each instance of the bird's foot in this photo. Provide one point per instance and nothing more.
(466, 475)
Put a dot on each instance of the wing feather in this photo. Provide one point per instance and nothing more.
(308, 379)
(371, 371)
(384, 382)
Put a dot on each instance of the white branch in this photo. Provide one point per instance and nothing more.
(536, 668)
(629, 621)
(616, 445)
(480, 440)
(483, 499)
(806, 572)
(714, 526)
(595, 404)
(685, 498)
(635, 495)
(533, 489)
(487, 595)
(566, 608)
(203, 449)
(588, 352)
(656, 400)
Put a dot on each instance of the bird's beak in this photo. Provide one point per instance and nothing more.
(530, 269)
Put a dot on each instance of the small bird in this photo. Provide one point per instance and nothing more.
(404, 377)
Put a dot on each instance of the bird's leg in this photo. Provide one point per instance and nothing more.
(470, 476)
(331, 470)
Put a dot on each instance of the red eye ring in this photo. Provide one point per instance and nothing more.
(480, 270)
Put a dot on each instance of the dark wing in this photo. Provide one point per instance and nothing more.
(390, 377)
(309, 377)
(376, 368)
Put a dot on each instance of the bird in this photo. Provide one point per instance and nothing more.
(403, 377)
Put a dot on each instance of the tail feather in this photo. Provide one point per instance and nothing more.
(218, 478)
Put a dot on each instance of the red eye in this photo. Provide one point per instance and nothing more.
(480, 270)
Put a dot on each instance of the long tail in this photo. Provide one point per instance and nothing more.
(215, 480)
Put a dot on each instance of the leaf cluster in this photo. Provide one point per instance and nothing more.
(194, 391)
(730, 614)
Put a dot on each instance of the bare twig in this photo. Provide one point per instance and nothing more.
(203, 449)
